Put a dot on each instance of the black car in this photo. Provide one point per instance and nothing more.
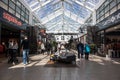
(64, 55)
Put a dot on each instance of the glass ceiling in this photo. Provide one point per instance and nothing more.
(62, 15)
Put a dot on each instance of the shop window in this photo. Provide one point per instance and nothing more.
(107, 14)
(18, 9)
(11, 10)
(112, 4)
(106, 3)
(102, 18)
(13, 1)
(102, 12)
(118, 6)
(107, 8)
(26, 21)
(23, 8)
(18, 15)
(18, 4)
(101, 7)
(22, 18)
(12, 5)
(23, 13)
(113, 10)
(3, 5)
(5, 1)
(26, 17)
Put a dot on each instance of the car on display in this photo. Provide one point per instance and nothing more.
(64, 55)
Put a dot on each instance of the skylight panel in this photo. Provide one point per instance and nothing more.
(43, 0)
(54, 21)
(53, 14)
(30, 2)
(80, 0)
(93, 1)
(37, 4)
(89, 5)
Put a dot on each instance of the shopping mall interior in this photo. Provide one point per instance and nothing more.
(59, 39)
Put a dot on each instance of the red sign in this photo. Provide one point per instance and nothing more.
(11, 19)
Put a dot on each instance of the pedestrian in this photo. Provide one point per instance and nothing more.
(42, 48)
(48, 47)
(10, 51)
(80, 48)
(4, 48)
(87, 51)
(15, 49)
(25, 50)
(39, 47)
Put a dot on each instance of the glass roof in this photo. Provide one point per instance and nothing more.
(62, 15)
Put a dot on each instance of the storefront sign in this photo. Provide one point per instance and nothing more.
(11, 19)
(109, 21)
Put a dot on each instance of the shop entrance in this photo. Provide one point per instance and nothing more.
(113, 41)
(8, 33)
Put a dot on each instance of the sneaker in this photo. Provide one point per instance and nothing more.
(13, 63)
(24, 64)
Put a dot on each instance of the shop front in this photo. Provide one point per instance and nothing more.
(109, 35)
(10, 28)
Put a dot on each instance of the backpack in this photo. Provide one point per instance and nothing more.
(87, 48)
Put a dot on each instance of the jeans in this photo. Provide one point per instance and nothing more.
(25, 56)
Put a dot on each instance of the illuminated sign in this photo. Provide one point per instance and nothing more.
(11, 19)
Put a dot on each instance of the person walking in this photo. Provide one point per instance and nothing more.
(80, 48)
(14, 48)
(87, 51)
(10, 51)
(39, 47)
(25, 50)
(42, 48)
(48, 47)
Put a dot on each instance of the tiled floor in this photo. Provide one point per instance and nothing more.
(40, 68)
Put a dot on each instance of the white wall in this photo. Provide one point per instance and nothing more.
(66, 37)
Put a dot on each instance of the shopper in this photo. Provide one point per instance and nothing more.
(10, 50)
(15, 49)
(42, 48)
(80, 48)
(87, 51)
(48, 47)
(39, 47)
(4, 48)
(25, 50)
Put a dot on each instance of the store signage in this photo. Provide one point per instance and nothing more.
(110, 21)
(11, 19)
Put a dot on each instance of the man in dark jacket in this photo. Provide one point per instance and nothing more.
(80, 48)
(25, 50)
